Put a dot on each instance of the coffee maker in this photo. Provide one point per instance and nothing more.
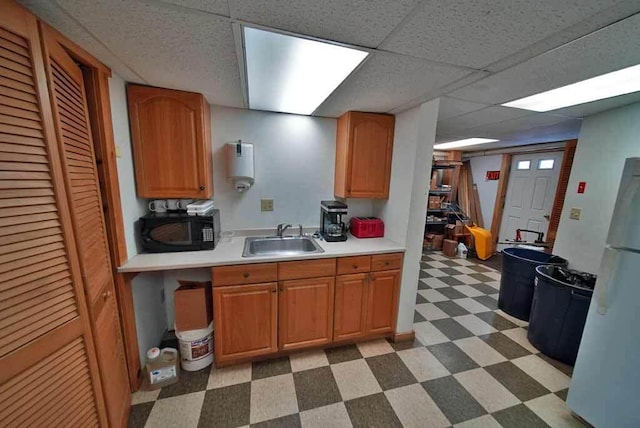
(332, 228)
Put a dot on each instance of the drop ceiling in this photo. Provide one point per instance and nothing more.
(474, 55)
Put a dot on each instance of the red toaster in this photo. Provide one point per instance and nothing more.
(367, 227)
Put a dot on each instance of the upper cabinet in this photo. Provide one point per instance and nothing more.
(171, 135)
(364, 146)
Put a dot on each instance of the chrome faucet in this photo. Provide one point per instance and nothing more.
(281, 228)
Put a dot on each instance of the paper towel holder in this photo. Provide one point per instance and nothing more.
(240, 165)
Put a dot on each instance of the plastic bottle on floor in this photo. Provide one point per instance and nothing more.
(162, 367)
(462, 251)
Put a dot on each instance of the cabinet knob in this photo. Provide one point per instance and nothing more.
(106, 294)
(281, 288)
(246, 274)
(274, 290)
(387, 263)
(355, 266)
(201, 187)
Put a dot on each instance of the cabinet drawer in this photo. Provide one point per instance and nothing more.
(306, 269)
(386, 262)
(245, 274)
(357, 264)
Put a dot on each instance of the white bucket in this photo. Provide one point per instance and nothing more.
(196, 348)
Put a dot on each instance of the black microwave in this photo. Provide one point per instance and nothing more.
(168, 232)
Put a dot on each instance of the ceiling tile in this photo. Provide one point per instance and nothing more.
(359, 22)
(562, 131)
(487, 115)
(451, 107)
(51, 13)
(385, 81)
(621, 10)
(219, 7)
(530, 121)
(584, 110)
(169, 47)
(609, 49)
(479, 32)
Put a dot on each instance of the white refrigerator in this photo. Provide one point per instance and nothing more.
(605, 388)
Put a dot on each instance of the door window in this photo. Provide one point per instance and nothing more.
(546, 163)
(523, 165)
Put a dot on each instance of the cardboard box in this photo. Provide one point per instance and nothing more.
(449, 247)
(435, 202)
(193, 305)
(435, 240)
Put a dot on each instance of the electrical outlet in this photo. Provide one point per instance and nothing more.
(266, 205)
(575, 213)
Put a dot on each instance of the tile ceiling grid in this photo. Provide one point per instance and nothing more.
(175, 47)
(472, 34)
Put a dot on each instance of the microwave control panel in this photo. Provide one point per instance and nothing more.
(207, 234)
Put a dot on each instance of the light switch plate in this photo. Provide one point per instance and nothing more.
(266, 205)
(575, 213)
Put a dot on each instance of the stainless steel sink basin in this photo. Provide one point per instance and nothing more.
(275, 246)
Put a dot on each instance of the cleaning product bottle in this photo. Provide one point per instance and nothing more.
(162, 367)
(462, 251)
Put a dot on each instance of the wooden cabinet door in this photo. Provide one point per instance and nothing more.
(48, 367)
(382, 302)
(246, 321)
(170, 132)
(306, 312)
(350, 306)
(71, 122)
(363, 155)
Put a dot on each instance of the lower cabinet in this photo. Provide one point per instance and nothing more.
(286, 311)
(350, 306)
(366, 304)
(246, 321)
(382, 301)
(306, 312)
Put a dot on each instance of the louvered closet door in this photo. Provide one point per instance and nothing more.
(81, 177)
(48, 369)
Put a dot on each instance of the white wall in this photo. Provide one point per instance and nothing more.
(147, 288)
(405, 210)
(132, 206)
(605, 141)
(294, 166)
(487, 190)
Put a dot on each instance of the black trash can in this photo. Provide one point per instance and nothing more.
(559, 310)
(516, 282)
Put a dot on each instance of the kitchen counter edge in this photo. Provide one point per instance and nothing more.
(231, 254)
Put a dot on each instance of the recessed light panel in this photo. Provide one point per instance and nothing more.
(291, 74)
(608, 85)
(463, 143)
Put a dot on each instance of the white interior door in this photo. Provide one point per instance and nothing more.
(530, 194)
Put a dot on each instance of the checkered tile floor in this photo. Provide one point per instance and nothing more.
(470, 366)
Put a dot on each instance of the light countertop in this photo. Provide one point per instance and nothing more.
(230, 253)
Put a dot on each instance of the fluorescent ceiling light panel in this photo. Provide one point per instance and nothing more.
(463, 143)
(608, 85)
(291, 74)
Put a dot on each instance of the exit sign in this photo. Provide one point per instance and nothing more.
(493, 175)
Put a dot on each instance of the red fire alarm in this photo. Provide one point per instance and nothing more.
(582, 186)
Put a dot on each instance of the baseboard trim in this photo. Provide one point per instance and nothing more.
(404, 337)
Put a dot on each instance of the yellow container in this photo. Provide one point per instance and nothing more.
(482, 241)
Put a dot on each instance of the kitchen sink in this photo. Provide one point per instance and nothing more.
(276, 246)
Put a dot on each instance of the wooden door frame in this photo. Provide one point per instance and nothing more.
(96, 76)
(561, 190)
